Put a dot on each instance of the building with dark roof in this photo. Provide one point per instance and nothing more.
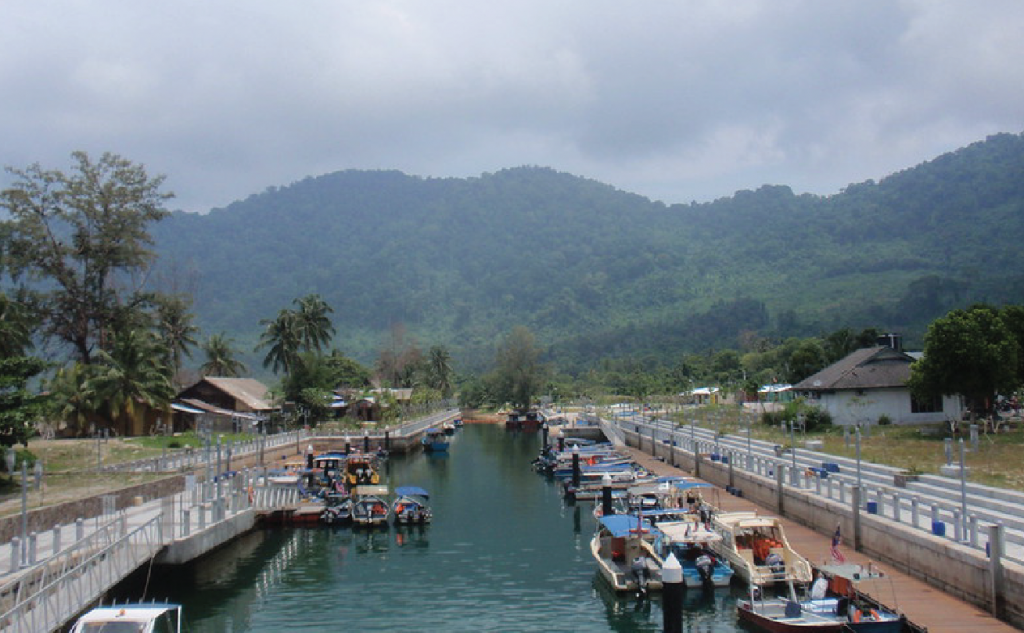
(871, 383)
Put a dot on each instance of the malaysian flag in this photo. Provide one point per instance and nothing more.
(837, 538)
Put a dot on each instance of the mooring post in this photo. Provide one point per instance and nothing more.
(606, 495)
(575, 467)
(995, 560)
(856, 517)
(672, 595)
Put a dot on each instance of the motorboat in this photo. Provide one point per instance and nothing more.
(337, 509)
(411, 506)
(757, 550)
(370, 505)
(152, 617)
(360, 470)
(849, 582)
(435, 441)
(626, 557)
(692, 543)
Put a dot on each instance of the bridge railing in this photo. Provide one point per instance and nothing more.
(82, 577)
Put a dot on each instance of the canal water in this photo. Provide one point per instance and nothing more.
(504, 553)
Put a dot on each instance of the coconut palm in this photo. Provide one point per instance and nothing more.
(131, 373)
(220, 357)
(439, 370)
(313, 322)
(177, 331)
(282, 338)
(72, 401)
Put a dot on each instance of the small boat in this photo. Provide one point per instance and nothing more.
(757, 550)
(435, 441)
(457, 423)
(370, 506)
(360, 470)
(785, 615)
(846, 582)
(410, 506)
(448, 428)
(625, 555)
(691, 542)
(154, 617)
(337, 509)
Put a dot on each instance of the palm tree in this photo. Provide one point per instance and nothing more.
(220, 358)
(72, 400)
(131, 374)
(314, 324)
(283, 338)
(174, 322)
(439, 370)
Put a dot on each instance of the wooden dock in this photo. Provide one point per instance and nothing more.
(923, 604)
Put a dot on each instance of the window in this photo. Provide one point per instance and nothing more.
(926, 405)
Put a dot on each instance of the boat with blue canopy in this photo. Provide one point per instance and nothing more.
(626, 551)
(411, 506)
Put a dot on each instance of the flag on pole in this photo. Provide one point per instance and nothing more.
(837, 538)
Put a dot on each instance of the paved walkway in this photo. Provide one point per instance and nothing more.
(923, 604)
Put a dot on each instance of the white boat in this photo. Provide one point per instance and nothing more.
(370, 505)
(693, 544)
(131, 618)
(411, 506)
(625, 555)
(757, 550)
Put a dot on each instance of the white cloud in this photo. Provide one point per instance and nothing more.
(683, 100)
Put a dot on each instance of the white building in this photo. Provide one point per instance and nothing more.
(871, 383)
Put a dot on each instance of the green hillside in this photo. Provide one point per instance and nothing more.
(599, 272)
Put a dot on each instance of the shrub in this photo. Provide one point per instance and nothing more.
(884, 420)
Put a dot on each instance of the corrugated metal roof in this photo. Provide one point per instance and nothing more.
(868, 368)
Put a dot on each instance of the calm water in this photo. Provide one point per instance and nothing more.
(504, 554)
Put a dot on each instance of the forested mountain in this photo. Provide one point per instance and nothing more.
(597, 272)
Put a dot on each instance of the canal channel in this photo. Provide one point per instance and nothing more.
(504, 553)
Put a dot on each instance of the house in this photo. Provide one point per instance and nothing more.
(706, 395)
(871, 383)
(222, 404)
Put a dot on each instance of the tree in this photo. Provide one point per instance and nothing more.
(79, 242)
(129, 375)
(439, 370)
(15, 327)
(221, 357)
(20, 409)
(347, 372)
(314, 326)
(174, 321)
(971, 352)
(72, 401)
(518, 373)
(282, 338)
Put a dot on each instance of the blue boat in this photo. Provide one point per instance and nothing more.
(692, 542)
(410, 506)
(435, 441)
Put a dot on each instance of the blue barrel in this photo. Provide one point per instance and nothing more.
(715, 457)
(938, 528)
(872, 507)
(725, 459)
(831, 467)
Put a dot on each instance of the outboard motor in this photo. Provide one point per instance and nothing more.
(705, 567)
(639, 568)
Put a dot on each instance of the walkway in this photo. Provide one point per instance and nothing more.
(922, 604)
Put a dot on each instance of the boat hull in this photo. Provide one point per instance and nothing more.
(771, 617)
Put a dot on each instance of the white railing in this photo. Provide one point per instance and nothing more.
(82, 580)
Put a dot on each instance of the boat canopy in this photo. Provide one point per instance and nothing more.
(412, 491)
(140, 613)
(688, 532)
(685, 485)
(364, 490)
(619, 525)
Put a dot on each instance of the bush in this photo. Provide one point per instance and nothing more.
(884, 420)
(815, 418)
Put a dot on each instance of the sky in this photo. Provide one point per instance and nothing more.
(677, 100)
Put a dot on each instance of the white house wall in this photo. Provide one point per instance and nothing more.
(851, 407)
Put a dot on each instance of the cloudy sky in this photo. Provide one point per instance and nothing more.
(677, 100)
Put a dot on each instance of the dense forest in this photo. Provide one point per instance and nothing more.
(599, 273)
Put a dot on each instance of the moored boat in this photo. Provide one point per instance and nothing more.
(153, 617)
(411, 506)
(370, 506)
(337, 509)
(785, 615)
(757, 549)
(692, 543)
(625, 555)
(435, 441)
(848, 583)
(360, 470)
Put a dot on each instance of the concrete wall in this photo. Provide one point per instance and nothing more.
(958, 570)
(849, 408)
(44, 519)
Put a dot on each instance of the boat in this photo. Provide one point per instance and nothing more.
(410, 506)
(360, 470)
(692, 543)
(786, 615)
(337, 509)
(457, 423)
(151, 617)
(757, 550)
(448, 428)
(625, 554)
(435, 441)
(521, 420)
(848, 582)
(370, 506)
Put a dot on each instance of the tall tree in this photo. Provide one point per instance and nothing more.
(177, 331)
(221, 357)
(15, 327)
(314, 324)
(282, 339)
(80, 241)
(518, 372)
(971, 352)
(73, 401)
(439, 370)
(20, 408)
